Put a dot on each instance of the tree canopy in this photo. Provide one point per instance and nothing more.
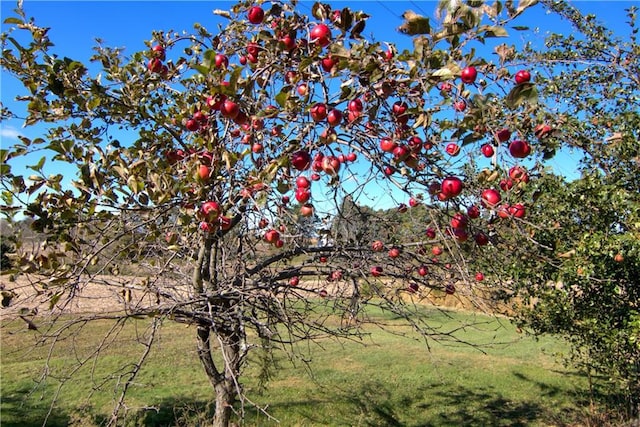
(234, 204)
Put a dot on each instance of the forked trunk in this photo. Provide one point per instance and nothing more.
(223, 379)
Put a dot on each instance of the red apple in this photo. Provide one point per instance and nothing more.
(542, 130)
(503, 211)
(519, 149)
(203, 173)
(518, 210)
(289, 42)
(355, 105)
(490, 197)
(229, 109)
(518, 174)
(303, 182)
(376, 271)
(155, 65)
(522, 76)
(377, 246)
(210, 211)
(401, 152)
(272, 236)
(445, 87)
(506, 184)
(321, 35)
(487, 150)
(460, 105)
(330, 165)
(294, 281)
(473, 211)
(436, 250)
(412, 288)
(394, 252)
(306, 210)
(459, 220)
(302, 89)
(479, 277)
(334, 117)
(481, 238)
(221, 61)
(423, 270)
(302, 195)
(263, 223)
(318, 112)
(290, 76)
(255, 15)
(352, 157)
(206, 227)
(253, 49)
(452, 149)
(451, 186)
(468, 75)
(301, 160)
(327, 63)
(387, 145)
(399, 108)
(158, 52)
(431, 233)
(460, 234)
(503, 135)
(192, 125)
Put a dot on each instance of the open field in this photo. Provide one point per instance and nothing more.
(394, 381)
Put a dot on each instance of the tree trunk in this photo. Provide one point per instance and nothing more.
(223, 381)
(225, 396)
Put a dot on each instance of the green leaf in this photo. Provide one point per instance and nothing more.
(54, 300)
(525, 92)
(282, 98)
(414, 24)
(38, 166)
(201, 69)
(13, 20)
(445, 73)
(493, 31)
(357, 29)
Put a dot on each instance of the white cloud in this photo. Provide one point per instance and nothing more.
(8, 132)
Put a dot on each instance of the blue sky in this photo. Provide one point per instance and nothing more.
(76, 24)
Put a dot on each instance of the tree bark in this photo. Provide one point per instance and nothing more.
(223, 383)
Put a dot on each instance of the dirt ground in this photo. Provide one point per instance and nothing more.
(31, 295)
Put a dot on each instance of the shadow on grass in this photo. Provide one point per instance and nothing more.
(370, 403)
(20, 411)
(378, 404)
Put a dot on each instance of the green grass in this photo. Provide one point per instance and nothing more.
(393, 381)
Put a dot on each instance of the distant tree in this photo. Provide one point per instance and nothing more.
(5, 261)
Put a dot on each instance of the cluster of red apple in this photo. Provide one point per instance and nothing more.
(329, 164)
(212, 218)
(155, 64)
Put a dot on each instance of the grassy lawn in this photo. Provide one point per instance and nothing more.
(393, 381)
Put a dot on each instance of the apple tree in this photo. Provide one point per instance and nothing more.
(214, 178)
(577, 270)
